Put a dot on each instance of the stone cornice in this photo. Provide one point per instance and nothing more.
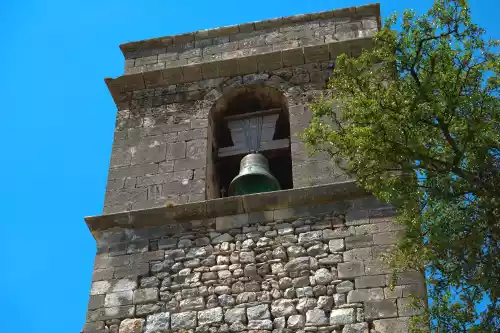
(203, 210)
(234, 66)
(352, 12)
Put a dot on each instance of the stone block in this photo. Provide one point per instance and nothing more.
(392, 325)
(146, 295)
(300, 264)
(176, 150)
(338, 233)
(311, 236)
(364, 295)
(408, 307)
(119, 298)
(184, 320)
(359, 241)
(124, 284)
(210, 316)
(376, 267)
(283, 308)
(157, 322)
(133, 171)
(265, 324)
(316, 53)
(292, 57)
(395, 292)
(117, 312)
(235, 315)
(356, 328)
(296, 322)
(228, 67)
(258, 312)
(96, 302)
(351, 269)
(336, 245)
(225, 223)
(148, 309)
(370, 281)
(416, 290)
(102, 274)
(316, 317)
(405, 278)
(133, 270)
(361, 254)
(381, 309)
(342, 316)
(131, 326)
(344, 286)
(247, 65)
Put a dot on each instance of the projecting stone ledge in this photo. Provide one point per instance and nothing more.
(261, 62)
(230, 212)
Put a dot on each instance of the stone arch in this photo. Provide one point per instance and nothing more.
(236, 101)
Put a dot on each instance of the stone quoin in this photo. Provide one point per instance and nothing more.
(177, 253)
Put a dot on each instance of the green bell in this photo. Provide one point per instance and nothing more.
(254, 177)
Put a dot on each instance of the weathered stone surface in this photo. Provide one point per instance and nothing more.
(364, 295)
(296, 322)
(157, 322)
(325, 302)
(316, 317)
(183, 320)
(323, 276)
(407, 307)
(195, 303)
(258, 312)
(119, 298)
(132, 326)
(358, 328)
(370, 281)
(301, 263)
(210, 316)
(305, 304)
(381, 309)
(350, 269)
(336, 245)
(311, 236)
(283, 308)
(222, 238)
(234, 315)
(344, 286)
(342, 316)
(392, 325)
(279, 323)
(265, 324)
(145, 295)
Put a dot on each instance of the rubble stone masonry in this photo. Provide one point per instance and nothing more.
(307, 268)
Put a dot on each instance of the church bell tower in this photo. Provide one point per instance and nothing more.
(215, 218)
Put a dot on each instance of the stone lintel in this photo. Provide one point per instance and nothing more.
(312, 196)
(352, 12)
(232, 67)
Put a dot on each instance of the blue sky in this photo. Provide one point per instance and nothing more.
(57, 130)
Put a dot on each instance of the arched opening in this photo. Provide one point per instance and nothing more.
(229, 143)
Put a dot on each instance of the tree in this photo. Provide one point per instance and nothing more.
(416, 120)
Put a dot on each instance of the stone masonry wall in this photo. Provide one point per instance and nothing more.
(160, 146)
(250, 39)
(313, 268)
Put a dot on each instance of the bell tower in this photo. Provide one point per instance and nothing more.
(215, 217)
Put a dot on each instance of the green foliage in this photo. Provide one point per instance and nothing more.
(417, 120)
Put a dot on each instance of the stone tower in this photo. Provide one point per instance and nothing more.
(176, 253)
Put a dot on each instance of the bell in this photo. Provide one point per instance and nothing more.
(254, 177)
